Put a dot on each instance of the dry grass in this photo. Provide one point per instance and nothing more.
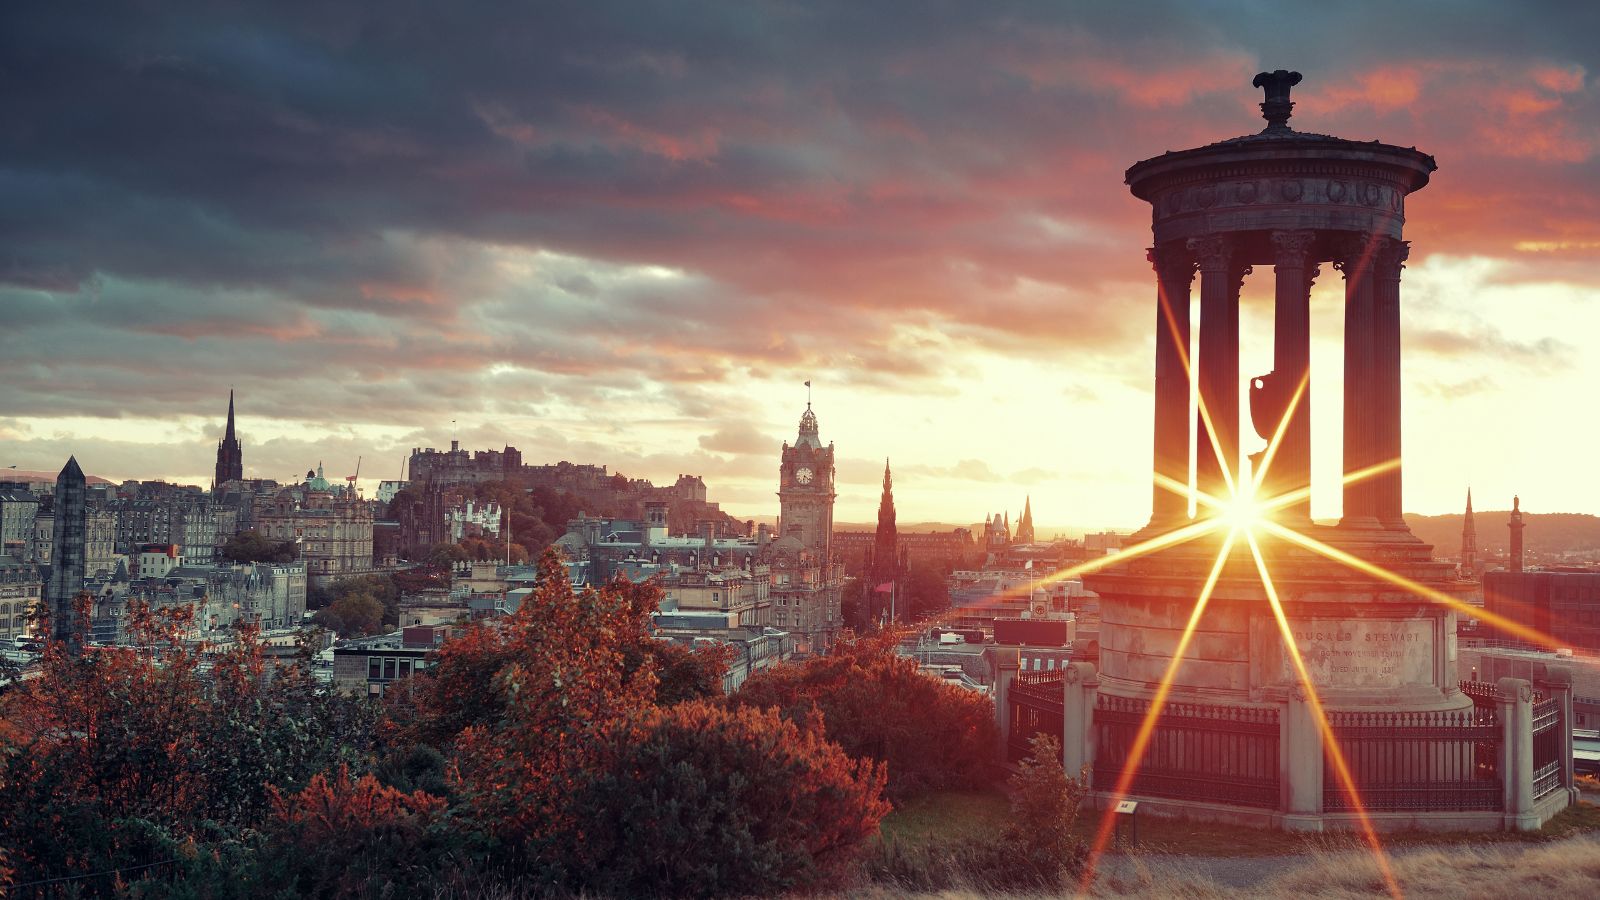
(1566, 868)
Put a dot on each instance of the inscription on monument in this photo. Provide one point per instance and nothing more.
(1363, 652)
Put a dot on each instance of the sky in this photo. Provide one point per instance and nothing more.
(627, 232)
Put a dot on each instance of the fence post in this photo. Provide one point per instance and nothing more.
(1300, 754)
(1557, 682)
(1003, 664)
(1516, 754)
(1079, 688)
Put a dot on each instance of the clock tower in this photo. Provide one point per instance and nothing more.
(805, 490)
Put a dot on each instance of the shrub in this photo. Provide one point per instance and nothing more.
(344, 837)
(1034, 852)
(700, 800)
(874, 703)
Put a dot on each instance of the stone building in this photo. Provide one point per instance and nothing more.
(331, 526)
(21, 592)
(805, 581)
(806, 490)
(18, 509)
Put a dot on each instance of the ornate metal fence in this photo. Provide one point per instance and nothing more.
(1197, 752)
(1547, 746)
(1036, 700)
(1403, 761)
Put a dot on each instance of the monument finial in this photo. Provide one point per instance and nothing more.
(1277, 108)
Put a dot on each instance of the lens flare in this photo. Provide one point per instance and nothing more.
(1330, 742)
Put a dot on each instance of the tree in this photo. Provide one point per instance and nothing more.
(1044, 809)
(925, 590)
(355, 614)
(446, 555)
(110, 755)
(352, 837)
(701, 800)
(875, 703)
(251, 547)
(688, 674)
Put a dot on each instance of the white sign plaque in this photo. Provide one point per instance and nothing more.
(1355, 653)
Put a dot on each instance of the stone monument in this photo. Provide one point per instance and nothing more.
(1235, 738)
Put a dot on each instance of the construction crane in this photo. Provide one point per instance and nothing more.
(352, 478)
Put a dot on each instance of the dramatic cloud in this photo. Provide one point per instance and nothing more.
(612, 230)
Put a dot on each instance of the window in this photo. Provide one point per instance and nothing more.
(388, 669)
(373, 670)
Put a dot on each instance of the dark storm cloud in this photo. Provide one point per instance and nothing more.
(372, 204)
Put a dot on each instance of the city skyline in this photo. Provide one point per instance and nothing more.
(642, 272)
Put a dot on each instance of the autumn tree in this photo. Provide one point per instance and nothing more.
(875, 703)
(117, 750)
(343, 836)
(355, 614)
(701, 800)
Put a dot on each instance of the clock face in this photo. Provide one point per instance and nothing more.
(803, 475)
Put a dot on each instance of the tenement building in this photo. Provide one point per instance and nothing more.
(331, 526)
(21, 591)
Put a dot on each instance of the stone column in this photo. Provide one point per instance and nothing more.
(1390, 258)
(1218, 363)
(1355, 261)
(1516, 753)
(1291, 363)
(1003, 666)
(1080, 686)
(1174, 276)
(1300, 764)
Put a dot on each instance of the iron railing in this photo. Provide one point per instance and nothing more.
(1416, 761)
(1036, 706)
(1196, 752)
(1547, 747)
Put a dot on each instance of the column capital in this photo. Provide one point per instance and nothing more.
(1294, 247)
(1174, 264)
(1390, 257)
(1212, 252)
(1352, 253)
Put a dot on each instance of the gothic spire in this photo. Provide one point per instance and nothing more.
(230, 458)
(1469, 541)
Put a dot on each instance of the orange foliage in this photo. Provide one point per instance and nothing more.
(874, 703)
(699, 799)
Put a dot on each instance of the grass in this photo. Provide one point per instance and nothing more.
(962, 814)
(947, 814)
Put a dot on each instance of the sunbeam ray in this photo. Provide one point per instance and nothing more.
(1130, 767)
(1330, 743)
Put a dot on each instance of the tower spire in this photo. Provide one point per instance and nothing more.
(1025, 526)
(1469, 542)
(886, 543)
(230, 458)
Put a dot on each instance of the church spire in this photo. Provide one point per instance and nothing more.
(1469, 542)
(1025, 525)
(230, 458)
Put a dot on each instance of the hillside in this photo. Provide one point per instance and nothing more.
(1544, 532)
(30, 475)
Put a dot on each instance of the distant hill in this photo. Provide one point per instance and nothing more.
(30, 475)
(1544, 532)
